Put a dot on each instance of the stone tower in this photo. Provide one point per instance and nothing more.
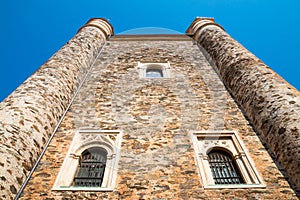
(193, 116)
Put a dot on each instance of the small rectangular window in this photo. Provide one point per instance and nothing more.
(154, 73)
(154, 70)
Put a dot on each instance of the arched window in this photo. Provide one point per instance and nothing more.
(154, 73)
(223, 161)
(223, 167)
(91, 162)
(91, 168)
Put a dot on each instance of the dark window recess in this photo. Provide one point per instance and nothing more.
(154, 73)
(224, 168)
(91, 168)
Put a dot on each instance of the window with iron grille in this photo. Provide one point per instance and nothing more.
(91, 163)
(223, 168)
(91, 168)
(223, 161)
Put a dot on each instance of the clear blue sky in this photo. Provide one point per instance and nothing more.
(32, 30)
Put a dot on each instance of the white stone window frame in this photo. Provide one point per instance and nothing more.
(164, 67)
(110, 140)
(204, 141)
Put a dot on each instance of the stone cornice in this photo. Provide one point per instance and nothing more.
(101, 24)
(199, 23)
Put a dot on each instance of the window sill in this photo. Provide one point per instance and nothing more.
(234, 186)
(163, 78)
(74, 188)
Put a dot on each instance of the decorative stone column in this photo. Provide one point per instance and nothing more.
(30, 114)
(272, 104)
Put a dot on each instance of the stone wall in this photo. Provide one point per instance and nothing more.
(270, 102)
(29, 115)
(157, 157)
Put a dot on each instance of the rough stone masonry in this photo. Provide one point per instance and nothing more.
(30, 114)
(157, 158)
(272, 104)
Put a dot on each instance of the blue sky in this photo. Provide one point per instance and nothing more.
(33, 30)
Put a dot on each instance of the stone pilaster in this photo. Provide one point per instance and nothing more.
(30, 114)
(271, 103)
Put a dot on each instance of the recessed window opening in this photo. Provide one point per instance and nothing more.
(223, 161)
(154, 70)
(154, 73)
(223, 167)
(91, 168)
(91, 163)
